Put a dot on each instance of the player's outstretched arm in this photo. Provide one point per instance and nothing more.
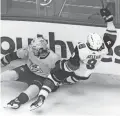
(110, 34)
(73, 63)
(21, 53)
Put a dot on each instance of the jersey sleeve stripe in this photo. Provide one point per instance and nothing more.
(75, 80)
(66, 67)
(46, 88)
(112, 31)
(70, 80)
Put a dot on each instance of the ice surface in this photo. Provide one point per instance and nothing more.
(98, 96)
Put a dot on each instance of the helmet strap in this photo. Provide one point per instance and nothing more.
(88, 45)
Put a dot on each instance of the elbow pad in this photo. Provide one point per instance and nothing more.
(109, 40)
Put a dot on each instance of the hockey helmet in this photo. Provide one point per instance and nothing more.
(94, 42)
(39, 46)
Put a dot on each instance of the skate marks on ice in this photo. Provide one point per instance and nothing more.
(96, 96)
(89, 98)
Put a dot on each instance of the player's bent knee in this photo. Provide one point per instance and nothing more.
(9, 75)
(37, 83)
(49, 83)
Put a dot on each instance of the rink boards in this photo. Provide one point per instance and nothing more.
(61, 39)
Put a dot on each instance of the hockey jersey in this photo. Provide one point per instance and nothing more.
(38, 66)
(88, 59)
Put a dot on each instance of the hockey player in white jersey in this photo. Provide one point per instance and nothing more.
(83, 61)
(39, 62)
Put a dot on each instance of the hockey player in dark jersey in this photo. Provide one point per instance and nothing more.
(39, 62)
(83, 61)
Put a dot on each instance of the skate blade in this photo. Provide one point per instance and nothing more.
(10, 107)
(6, 106)
(34, 108)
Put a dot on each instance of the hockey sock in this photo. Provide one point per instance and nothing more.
(47, 87)
(23, 98)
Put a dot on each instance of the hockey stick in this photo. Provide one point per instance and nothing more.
(97, 14)
(93, 15)
(102, 3)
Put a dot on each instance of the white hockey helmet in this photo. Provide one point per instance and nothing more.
(94, 42)
(39, 46)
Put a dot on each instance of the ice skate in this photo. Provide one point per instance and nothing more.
(14, 104)
(38, 103)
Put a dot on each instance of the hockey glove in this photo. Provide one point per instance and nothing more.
(3, 62)
(106, 14)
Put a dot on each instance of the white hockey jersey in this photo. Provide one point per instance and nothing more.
(88, 59)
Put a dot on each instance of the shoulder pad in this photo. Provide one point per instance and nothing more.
(81, 45)
(22, 52)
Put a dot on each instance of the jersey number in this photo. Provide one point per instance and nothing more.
(91, 63)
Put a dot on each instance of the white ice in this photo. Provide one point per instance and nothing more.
(98, 96)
